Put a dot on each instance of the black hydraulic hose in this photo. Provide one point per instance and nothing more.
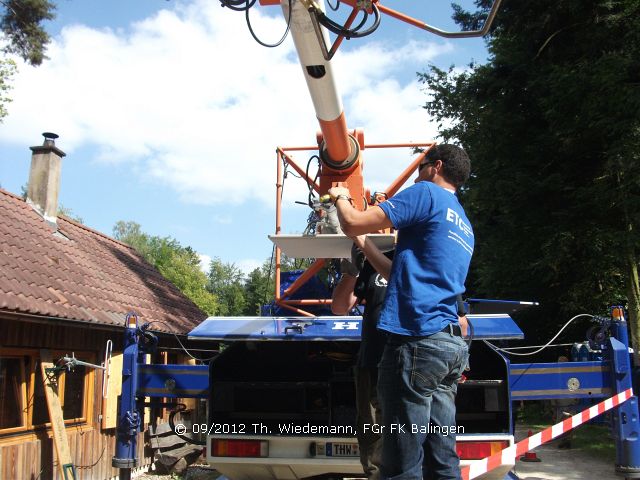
(238, 5)
(348, 33)
(181, 407)
(309, 186)
(255, 37)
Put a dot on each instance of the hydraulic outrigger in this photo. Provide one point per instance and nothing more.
(597, 379)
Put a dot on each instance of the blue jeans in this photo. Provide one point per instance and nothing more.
(417, 384)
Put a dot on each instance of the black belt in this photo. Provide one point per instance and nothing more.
(454, 329)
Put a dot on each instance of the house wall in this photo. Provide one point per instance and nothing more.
(29, 454)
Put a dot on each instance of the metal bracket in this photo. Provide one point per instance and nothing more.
(462, 34)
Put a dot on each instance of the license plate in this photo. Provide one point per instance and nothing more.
(335, 449)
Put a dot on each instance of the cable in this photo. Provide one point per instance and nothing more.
(181, 407)
(255, 37)
(335, 9)
(184, 349)
(238, 5)
(273, 252)
(309, 184)
(537, 346)
(348, 33)
(506, 350)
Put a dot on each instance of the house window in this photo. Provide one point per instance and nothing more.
(23, 405)
(12, 393)
(72, 391)
(73, 407)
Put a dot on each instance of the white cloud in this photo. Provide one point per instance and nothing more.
(205, 261)
(248, 265)
(192, 99)
(223, 219)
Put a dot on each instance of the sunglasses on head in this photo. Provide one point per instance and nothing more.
(425, 164)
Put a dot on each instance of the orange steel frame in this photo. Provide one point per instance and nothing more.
(283, 156)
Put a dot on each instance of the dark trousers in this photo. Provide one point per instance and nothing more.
(368, 419)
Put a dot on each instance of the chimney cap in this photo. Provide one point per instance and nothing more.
(49, 145)
(50, 135)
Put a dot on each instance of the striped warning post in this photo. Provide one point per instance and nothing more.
(508, 455)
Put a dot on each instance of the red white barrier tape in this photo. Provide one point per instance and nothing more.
(508, 455)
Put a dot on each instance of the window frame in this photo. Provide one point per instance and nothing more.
(24, 407)
(32, 374)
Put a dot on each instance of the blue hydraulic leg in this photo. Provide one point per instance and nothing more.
(125, 457)
(626, 425)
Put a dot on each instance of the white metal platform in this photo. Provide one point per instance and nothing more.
(326, 246)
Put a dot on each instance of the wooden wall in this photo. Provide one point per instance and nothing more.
(91, 450)
(30, 455)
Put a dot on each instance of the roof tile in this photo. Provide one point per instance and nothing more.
(86, 276)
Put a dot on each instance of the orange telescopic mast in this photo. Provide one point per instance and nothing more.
(339, 149)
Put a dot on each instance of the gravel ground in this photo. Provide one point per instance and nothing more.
(194, 472)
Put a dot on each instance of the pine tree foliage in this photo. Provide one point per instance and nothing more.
(21, 24)
(552, 126)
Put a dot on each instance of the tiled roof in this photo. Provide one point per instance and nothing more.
(81, 275)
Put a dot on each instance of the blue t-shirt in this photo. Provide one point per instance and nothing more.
(435, 244)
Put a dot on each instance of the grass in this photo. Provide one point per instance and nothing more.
(594, 439)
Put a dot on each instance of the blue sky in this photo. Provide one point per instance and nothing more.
(169, 113)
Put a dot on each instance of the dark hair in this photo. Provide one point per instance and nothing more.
(455, 162)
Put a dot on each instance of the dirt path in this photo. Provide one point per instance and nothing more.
(563, 464)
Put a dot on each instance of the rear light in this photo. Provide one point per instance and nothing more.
(479, 450)
(239, 448)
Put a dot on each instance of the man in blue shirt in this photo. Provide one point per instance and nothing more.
(425, 354)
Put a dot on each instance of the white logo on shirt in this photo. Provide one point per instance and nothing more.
(380, 281)
(453, 217)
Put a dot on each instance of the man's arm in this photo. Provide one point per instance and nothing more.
(376, 258)
(355, 222)
(462, 316)
(343, 299)
(464, 325)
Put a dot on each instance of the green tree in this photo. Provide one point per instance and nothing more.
(21, 23)
(7, 71)
(131, 233)
(259, 288)
(226, 281)
(69, 213)
(551, 124)
(180, 265)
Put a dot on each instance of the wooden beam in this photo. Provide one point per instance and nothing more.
(60, 440)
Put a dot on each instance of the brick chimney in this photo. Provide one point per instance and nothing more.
(44, 177)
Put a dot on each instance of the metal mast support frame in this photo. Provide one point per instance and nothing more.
(283, 157)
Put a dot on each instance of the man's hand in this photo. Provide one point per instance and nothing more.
(359, 241)
(335, 191)
(464, 325)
